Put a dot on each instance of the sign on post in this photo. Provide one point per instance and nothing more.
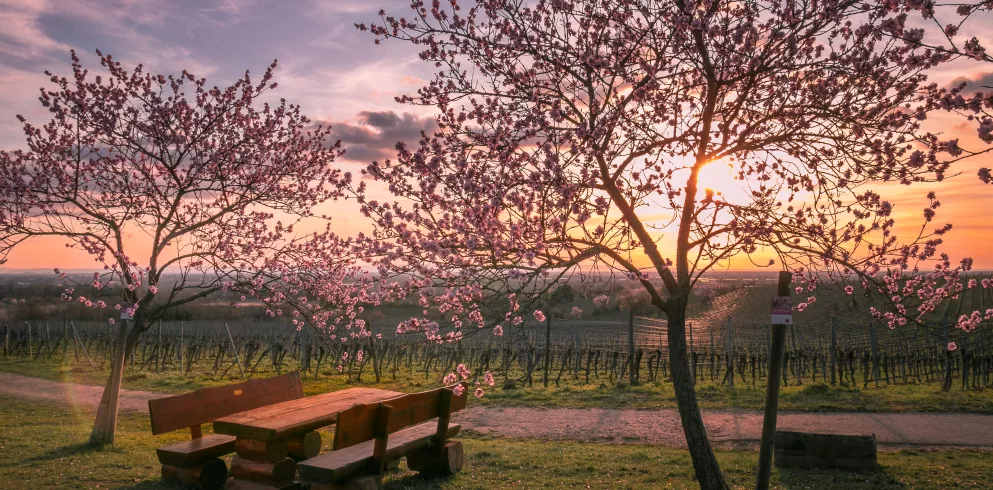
(782, 310)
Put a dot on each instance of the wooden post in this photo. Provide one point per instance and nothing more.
(834, 347)
(548, 346)
(158, 350)
(631, 347)
(48, 340)
(81, 344)
(965, 359)
(729, 349)
(182, 327)
(65, 339)
(946, 381)
(305, 349)
(875, 354)
(772, 392)
(234, 350)
(794, 354)
(6, 341)
(29, 339)
(692, 357)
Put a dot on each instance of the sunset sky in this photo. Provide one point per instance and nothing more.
(339, 76)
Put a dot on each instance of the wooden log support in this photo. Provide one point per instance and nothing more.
(304, 447)
(275, 473)
(448, 461)
(207, 476)
(270, 451)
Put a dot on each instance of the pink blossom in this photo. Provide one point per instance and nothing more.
(538, 315)
(478, 393)
(952, 346)
(458, 389)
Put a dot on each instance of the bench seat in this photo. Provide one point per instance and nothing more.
(196, 451)
(339, 464)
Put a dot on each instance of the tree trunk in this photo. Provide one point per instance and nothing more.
(708, 472)
(105, 426)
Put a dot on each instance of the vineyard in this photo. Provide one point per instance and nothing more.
(729, 344)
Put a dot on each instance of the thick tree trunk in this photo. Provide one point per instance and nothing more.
(708, 472)
(105, 426)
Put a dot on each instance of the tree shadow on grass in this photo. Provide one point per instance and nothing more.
(416, 481)
(831, 478)
(66, 451)
(149, 485)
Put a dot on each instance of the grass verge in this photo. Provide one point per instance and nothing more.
(45, 445)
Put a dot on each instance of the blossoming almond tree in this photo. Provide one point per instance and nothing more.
(178, 190)
(573, 134)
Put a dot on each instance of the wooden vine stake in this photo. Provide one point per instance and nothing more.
(772, 391)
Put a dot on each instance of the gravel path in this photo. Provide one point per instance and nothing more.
(725, 427)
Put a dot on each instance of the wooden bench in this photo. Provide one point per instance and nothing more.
(369, 436)
(195, 462)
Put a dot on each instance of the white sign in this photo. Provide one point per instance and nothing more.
(782, 310)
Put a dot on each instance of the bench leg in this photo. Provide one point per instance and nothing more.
(261, 465)
(207, 476)
(370, 482)
(446, 462)
(276, 474)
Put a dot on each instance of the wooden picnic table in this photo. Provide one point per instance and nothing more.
(269, 439)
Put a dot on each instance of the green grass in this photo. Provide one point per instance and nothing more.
(45, 445)
(807, 397)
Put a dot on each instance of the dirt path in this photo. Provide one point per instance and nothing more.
(618, 426)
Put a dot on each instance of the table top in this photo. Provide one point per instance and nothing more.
(297, 417)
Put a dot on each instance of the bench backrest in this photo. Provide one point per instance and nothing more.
(361, 423)
(209, 404)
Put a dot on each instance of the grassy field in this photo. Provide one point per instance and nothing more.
(44, 445)
(807, 397)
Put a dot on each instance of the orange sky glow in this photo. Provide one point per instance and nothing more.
(338, 77)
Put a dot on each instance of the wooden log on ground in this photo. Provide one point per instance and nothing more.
(448, 461)
(808, 450)
(207, 476)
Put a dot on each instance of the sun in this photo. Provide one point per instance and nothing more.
(719, 177)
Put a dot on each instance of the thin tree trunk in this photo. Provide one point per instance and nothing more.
(105, 426)
(708, 471)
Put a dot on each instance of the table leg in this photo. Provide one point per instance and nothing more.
(261, 465)
(305, 447)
